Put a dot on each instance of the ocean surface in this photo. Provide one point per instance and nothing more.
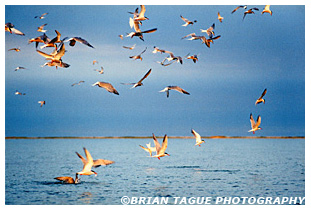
(220, 167)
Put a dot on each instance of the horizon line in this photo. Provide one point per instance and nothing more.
(146, 137)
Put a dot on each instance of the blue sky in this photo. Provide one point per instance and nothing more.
(260, 52)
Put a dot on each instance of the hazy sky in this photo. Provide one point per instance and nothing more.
(259, 52)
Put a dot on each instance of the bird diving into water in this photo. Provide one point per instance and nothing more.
(68, 179)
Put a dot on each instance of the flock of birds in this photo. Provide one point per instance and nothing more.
(55, 59)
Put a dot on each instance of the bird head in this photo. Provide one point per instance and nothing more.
(94, 172)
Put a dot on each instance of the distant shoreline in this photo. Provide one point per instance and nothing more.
(147, 137)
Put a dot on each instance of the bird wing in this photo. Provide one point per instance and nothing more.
(164, 145)
(136, 26)
(263, 93)
(82, 158)
(47, 56)
(88, 155)
(179, 89)
(67, 179)
(60, 53)
(17, 32)
(184, 19)
(83, 41)
(102, 162)
(196, 135)
(252, 121)
(142, 11)
(147, 150)
(170, 53)
(110, 88)
(150, 30)
(89, 161)
(143, 51)
(192, 34)
(258, 121)
(156, 143)
(145, 76)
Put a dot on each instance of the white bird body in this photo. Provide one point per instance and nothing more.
(198, 139)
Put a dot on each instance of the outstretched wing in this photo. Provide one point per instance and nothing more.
(263, 93)
(164, 144)
(82, 158)
(145, 76)
(258, 121)
(252, 121)
(156, 143)
(102, 162)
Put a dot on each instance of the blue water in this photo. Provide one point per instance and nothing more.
(221, 167)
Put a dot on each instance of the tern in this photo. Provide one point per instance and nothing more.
(192, 36)
(148, 148)
(135, 57)
(156, 49)
(130, 48)
(267, 10)
(18, 68)
(160, 150)
(243, 6)
(250, 11)
(89, 162)
(138, 32)
(77, 83)
(41, 103)
(95, 61)
(260, 99)
(179, 89)
(198, 140)
(68, 179)
(173, 58)
(255, 126)
(15, 49)
(194, 58)
(56, 64)
(10, 28)
(106, 86)
(19, 93)
(42, 16)
(40, 39)
(139, 83)
(101, 71)
(40, 28)
(141, 15)
(188, 22)
(52, 43)
(56, 55)
(72, 41)
(220, 18)
(209, 31)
